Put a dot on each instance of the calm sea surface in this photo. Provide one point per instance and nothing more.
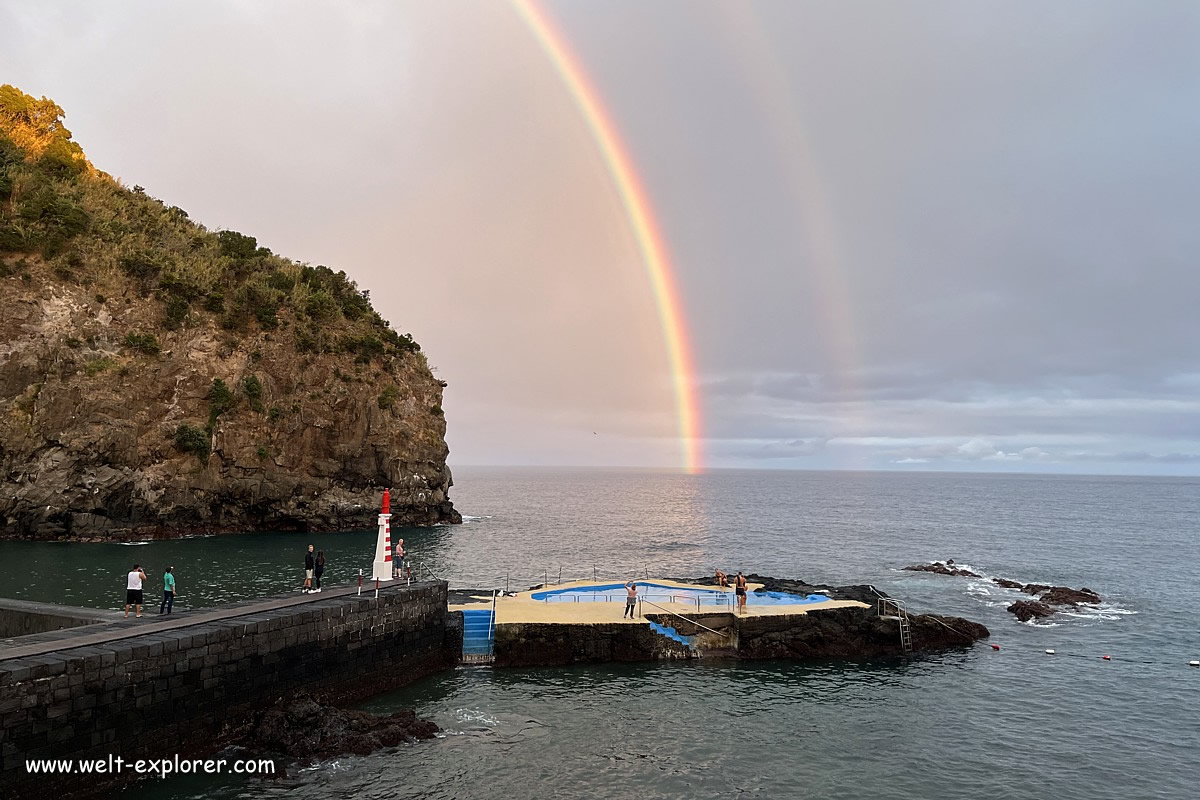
(971, 723)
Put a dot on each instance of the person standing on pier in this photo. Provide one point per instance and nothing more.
(398, 560)
(630, 599)
(739, 588)
(319, 569)
(133, 589)
(168, 601)
(309, 566)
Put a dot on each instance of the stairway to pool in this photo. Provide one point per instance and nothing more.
(479, 631)
(666, 630)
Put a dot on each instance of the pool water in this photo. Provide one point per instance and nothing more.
(663, 593)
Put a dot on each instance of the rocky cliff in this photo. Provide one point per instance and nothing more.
(158, 378)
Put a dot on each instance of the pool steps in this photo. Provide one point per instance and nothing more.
(666, 630)
(478, 632)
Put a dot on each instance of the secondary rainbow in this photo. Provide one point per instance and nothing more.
(642, 222)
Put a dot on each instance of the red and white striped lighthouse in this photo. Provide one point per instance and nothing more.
(383, 548)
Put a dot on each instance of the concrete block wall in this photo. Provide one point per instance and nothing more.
(22, 618)
(185, 690)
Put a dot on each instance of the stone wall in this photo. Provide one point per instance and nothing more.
(21, 618)
(536, 644)
(186, 690)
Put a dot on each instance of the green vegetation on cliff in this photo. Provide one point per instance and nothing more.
(158, 378)
(92, 231)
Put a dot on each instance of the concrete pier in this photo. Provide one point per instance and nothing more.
(159, 686)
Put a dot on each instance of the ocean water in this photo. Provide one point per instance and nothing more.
(1013, 723)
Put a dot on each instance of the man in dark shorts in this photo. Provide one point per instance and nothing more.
(630, 600)
(739, 588)
(133, 590)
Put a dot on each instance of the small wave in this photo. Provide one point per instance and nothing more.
(467, 518)
(131, 544)
(474, 715)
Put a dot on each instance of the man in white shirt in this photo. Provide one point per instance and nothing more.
(133, 589)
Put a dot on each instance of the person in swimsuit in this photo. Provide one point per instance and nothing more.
(630, 600)
(739, 588)
(722, 579)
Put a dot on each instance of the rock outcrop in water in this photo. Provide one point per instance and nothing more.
(159, 379)
(303, 728)
(943, 568)
(1026, 610)
(1049, 598)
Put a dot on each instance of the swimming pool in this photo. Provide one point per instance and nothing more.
(664, 593)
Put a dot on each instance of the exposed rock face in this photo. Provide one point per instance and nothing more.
(160, 378)
(1006, 583)
(303, 728)
(848, 633)
(1026, 610)
(943, 568)
(91, 454)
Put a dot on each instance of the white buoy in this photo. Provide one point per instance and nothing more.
(1049, 652)
(1194, 663)
(382, 570)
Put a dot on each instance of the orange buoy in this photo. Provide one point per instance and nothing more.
(995, 647)
(1108, 658)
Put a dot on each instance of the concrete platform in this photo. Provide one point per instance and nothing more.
(522, 608)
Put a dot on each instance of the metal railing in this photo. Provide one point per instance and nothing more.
(685, 619)
(492, 627)
(569, 596)
(524, 581)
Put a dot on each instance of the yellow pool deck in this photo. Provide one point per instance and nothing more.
(522, 608)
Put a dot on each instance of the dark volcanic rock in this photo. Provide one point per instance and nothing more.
(848, 633)
(1066, 596)
(1006, 583)
(1048, 598)
(862, 592)
(1030, 609)
(946, 568)
(303, 728)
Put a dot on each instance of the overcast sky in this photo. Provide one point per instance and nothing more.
(908, 235)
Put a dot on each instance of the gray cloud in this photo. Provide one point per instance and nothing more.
(896, 234)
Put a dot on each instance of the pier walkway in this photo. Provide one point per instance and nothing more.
(116, 626)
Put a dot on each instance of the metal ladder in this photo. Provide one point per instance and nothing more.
(890, 607)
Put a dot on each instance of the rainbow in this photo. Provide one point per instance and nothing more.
(642, 222)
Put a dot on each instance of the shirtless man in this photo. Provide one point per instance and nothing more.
(739, 588)
(630, 599)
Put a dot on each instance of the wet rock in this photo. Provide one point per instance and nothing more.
(1066, 596)
(1007, 584)
(1026, 610)
(301, 727)
(943, 568)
